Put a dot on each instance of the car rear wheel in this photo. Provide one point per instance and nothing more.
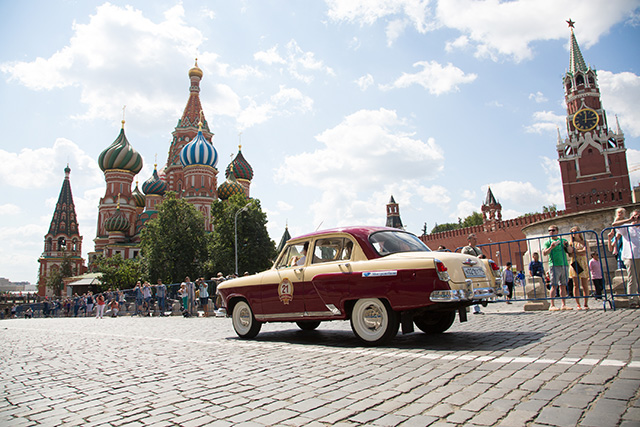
(308, 325)
(435, 322)
(373, 321)
(244, 323)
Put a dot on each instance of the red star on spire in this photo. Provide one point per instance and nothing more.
(570, 22)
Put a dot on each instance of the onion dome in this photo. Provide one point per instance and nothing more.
(241, 168)
(230, 187)
(154, 185)
(195, 71)
(117, 222)
(199, 152)
(138, 197)
(120, 155)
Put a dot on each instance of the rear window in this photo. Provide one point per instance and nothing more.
(391, 242)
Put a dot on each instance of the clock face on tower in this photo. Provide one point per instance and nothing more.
(585, 119)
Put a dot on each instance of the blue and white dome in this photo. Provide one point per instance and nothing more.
(199, 152)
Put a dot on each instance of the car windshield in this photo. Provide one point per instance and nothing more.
(391, 242)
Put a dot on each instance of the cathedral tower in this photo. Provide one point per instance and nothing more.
(186, 131)
(199, 159)
(593, 160)
(491, 211)
(120, 164)
(63, 239)
(393, 215)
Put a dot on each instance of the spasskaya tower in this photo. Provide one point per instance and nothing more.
(593, 160)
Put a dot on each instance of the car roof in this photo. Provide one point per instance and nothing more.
(361, 231)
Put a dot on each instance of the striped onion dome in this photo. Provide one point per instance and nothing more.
(120, 155)
(240, 166)
(230, 187)
(154, 185)
(199, 152)
(117, 222)
(138, 197)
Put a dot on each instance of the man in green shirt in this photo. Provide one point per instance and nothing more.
(556, 248)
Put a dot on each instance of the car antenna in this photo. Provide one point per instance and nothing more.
(319, 225)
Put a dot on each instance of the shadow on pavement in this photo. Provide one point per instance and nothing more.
(448, 341)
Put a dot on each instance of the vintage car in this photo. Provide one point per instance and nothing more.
(376, 277)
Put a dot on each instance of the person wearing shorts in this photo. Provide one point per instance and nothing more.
(556, 249)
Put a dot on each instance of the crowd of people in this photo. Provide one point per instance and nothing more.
(143, 299)
(572, 265)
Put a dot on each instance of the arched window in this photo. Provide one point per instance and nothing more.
(580, 80)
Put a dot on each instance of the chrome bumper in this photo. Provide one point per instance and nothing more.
(457, 295)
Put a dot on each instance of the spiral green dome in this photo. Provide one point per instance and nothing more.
(117, 222)
(120, 155)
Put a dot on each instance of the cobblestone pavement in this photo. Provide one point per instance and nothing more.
(505, 368)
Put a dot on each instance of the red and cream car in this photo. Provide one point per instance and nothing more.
(376, 277)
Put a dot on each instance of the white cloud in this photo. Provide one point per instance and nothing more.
(546, 122)
(38, 168)
(284, 206)
(9, 209)
(118, 56)
(463, 210)
(498, 28)
(538, 97)
(493, 28)
(399, 14)
(365, 81)
(270, 56)
(620, 93)
(298, 63)
(368, 143)
(284, 103)
(434, 77)
(554, 193)
(633, 161)
(458, 44)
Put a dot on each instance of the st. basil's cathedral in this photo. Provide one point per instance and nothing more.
(191, 172)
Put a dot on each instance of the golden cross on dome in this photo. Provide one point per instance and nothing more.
(118, 205)
(570, 22)
(200, 119)
(123, 107)
(240, 141)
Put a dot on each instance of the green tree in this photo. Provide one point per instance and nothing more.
(174, 244)
(256, 251)
(55, 280)
(474, 219)
(118, 273)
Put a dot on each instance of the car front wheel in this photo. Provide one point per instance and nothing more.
(435, 322)
(373, 321)
(244, 323)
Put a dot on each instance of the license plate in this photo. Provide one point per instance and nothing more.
(473, 272)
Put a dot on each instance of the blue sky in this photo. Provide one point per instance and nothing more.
(338, 104)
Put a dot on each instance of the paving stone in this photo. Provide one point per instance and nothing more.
(557, 416)
(532, 374)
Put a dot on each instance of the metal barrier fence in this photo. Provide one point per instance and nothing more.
(618, 287)
(128, 305)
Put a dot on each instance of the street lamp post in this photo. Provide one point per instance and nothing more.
(235, 229)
